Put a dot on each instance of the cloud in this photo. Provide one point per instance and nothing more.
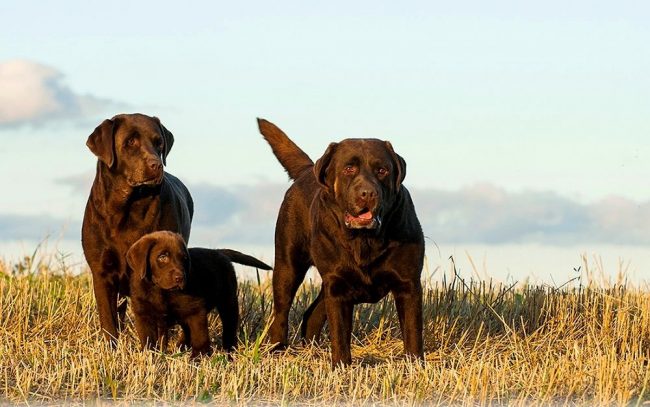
(232, 214)
(32, 93)
(79, 183)
(482, 213)
(619, 220)
(242, 214)
(37, 227)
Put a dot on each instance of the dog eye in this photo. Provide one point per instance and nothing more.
(382, 171)
(163, 258)
(131, 141)
(349, 169)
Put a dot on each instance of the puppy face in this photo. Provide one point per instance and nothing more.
(162, 258)
(364, 176)
(133, 146)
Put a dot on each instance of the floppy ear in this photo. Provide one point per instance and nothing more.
(169, 140)
(399, 163)
(320, 168)
(102, 142)
(137, 257)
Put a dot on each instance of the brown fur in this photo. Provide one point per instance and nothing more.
(351, 217)
(292, 158)
(173, 285)
(130, 197)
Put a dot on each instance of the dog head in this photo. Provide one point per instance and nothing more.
(364, 177)
(161, 258)
(134, 146)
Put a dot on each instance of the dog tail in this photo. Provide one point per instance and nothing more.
(246, 260)
(293, 159)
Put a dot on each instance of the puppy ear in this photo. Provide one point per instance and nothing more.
(168, 137)
(320, 168)
(400, 165)
(102, 142)
(137, 257)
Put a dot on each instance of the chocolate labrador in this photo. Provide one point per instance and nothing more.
(131, 196)
(351, 217)
(171, 284)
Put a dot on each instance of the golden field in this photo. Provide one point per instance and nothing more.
(579, 344)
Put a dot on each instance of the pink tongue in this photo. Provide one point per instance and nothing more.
(365, 215)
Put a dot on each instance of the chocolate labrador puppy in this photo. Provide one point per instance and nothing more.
(351, 217)
(171, 284)
(130, 197)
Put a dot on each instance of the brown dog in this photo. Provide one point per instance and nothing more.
(130, 197)
(171, 284)
(351, 217)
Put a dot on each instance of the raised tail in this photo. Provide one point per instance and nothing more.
(293, 159)
(246, 260)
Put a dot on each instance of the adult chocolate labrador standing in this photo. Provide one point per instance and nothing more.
(130, 197)
(351, 217)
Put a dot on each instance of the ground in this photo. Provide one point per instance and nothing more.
(485, 343)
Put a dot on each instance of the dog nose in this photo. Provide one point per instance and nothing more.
(178, 278)
(155, 164)
(367, 193)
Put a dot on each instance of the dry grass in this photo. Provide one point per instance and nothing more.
(485, 344)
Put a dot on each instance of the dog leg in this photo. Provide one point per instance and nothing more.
(185, 339)
(200, 339)
(339, 316)
(229, 313)
(409, 310)
(147, 330)
(314, 319)
(287, 277)
(106, 297)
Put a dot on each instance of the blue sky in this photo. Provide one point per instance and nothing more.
(520, 122)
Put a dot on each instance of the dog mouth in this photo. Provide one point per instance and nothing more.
(364, 219)
(146, 182)
(176, 287)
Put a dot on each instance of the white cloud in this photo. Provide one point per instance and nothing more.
(484, 213)
(32, 93)
(37, 227)
(478, 214)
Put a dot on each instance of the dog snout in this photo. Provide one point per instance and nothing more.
(179, 278)
(154, 164)
(367, 194)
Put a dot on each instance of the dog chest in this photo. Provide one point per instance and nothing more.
(360, 285)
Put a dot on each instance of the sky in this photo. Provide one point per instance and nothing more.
(525, 127)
